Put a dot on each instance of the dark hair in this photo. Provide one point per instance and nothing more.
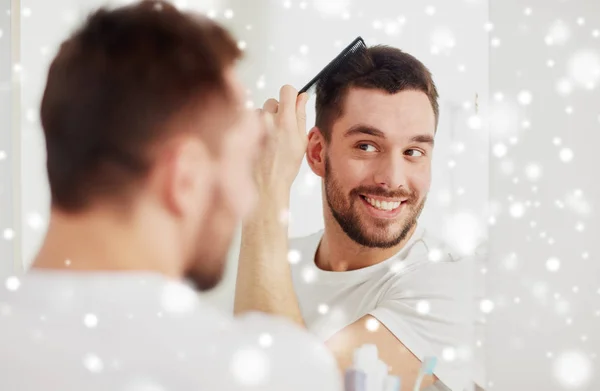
(116, 87)
(378, 67)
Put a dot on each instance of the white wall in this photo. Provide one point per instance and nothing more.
(556, 312)
(8, 160)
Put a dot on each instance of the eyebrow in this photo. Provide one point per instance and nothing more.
(372, 131)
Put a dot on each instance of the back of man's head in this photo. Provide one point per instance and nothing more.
(379, 67)
(115, 91)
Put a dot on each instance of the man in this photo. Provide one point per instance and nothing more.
(149, 157)
(374, 275)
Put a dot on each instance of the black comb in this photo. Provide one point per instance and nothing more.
(355, 46)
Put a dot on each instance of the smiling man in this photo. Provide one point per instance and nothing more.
(373, 275)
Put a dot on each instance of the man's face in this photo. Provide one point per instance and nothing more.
(378, 164)
(233, 197)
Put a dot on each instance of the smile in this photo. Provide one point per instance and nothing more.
(384, 205)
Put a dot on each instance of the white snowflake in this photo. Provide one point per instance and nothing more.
(486, 306)
(9, 234)
(572, 369)
(265, 340)
(93, 363)
(553, 264)
(177, 298)
(294, 256)
(35, 221)
(90, 321)
(558, 33)
(566, 155)
(533, 171)
(323, 309)
(583, 68)
(525, 97)
(12, 283)
(564, 87)
(423, 307)
(517, 210)
(449, 354)
(372, 324)
(250, 367)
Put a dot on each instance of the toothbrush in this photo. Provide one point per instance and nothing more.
(355, 380)
(427, 367)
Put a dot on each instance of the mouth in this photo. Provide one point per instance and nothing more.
(383, 207)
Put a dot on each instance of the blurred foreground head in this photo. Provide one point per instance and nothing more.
(144, 121)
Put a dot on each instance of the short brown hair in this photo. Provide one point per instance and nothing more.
(378, 67)
(115, 86)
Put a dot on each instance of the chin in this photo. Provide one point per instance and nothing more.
(204, 277)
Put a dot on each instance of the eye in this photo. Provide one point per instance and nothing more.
(367, 147)
(414, 153)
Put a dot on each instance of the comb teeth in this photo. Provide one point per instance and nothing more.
(355, 46)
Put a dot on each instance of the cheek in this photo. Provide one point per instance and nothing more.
(237, 184)
(420, 180)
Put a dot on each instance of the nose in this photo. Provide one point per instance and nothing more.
(391, 172)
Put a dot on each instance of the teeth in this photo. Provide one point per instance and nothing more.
(383, 205)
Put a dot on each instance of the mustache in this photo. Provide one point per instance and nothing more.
(411, 196)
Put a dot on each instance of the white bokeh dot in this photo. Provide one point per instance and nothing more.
(8, 234)
(558, 33)
(572, 369)
(553, 264)
(566, 155)
(309, 275)
(486, 306)
(449, 354)
(517, 210)
(93, 363)
(533, 171)
(175, 297)
(294, 256)
(250, 367)
(323, 309)
(265, 340)
(525, 97)
(435, 255)
(500, 150)
(90, 321)
(372, 324)
(583, 68)
(12, 283)
(423, 307)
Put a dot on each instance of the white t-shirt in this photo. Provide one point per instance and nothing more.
(142, 332)
(423, 295)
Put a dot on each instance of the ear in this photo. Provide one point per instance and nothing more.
(186, 179)
(315, 151)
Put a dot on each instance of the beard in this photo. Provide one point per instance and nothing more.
(209, 259)
(365, 230)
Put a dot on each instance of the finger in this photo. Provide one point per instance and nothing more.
(271, 106)
(287, 100)
(301, 101)
(268, 122)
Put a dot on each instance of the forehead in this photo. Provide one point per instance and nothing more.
(405, 113)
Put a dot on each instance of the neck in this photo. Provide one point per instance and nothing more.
(101, 240)
(337, 252)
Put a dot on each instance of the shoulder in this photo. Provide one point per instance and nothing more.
(435, 269)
